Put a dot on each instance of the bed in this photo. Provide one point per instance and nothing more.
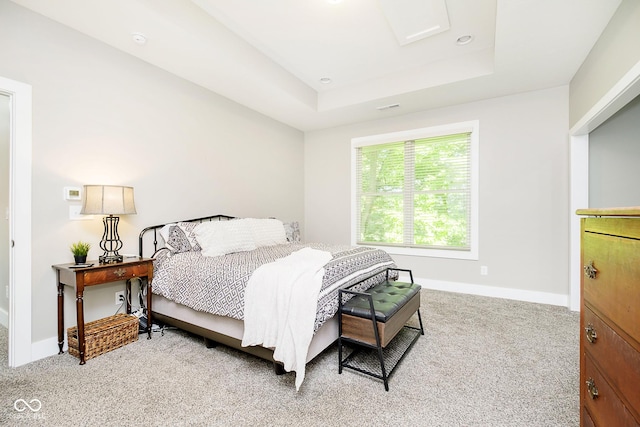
(200, 276)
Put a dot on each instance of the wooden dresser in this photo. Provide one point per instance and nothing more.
(610, 317)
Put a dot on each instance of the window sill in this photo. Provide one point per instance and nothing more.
(433, 253)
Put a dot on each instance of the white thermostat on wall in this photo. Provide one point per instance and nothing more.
(72, 193)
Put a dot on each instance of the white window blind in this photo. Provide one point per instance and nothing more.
(415, 193)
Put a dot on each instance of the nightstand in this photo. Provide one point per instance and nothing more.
(98, 274)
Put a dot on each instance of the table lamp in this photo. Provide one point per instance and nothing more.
(110, 200)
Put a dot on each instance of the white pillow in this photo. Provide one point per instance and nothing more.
(267, 231)
(224, 237)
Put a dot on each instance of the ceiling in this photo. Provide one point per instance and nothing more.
(271, 55)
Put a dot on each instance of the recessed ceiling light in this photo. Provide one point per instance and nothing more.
(334, 1)
(139, 38)
(325, 80)
(466, 39)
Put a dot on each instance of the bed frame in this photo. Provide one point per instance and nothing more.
(220, 329)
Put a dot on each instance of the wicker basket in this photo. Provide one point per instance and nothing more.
(104, 335)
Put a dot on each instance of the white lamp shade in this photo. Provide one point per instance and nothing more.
(108, 200)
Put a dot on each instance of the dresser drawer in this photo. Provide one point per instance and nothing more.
(606, 409)
(111, 274)
(617, 360)
(614, 292)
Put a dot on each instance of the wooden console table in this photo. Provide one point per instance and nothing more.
(98, 274)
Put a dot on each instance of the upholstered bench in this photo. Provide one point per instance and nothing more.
(373, 318)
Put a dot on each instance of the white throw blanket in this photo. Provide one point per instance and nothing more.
(280, 304)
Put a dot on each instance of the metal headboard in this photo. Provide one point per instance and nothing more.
(155, 228)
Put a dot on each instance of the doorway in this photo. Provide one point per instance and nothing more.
(19, 223)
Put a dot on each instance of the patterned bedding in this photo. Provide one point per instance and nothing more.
(216, 284)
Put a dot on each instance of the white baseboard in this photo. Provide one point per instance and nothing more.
(45, 348)
(40, 349)
(495, 292)
(4, 318)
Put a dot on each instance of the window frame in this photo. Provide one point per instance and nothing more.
(472, 126)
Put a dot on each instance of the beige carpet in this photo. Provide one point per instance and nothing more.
(482, 362)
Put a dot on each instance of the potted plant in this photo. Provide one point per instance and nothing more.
(80, 250)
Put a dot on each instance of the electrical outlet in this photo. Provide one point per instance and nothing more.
(484, 270)
(119, 297)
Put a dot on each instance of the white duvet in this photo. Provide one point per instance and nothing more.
(280, 305)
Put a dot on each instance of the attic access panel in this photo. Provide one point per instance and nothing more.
(413, 20)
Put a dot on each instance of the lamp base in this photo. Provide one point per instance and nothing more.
(110, 259)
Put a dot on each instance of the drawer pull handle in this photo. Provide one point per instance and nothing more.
(591, 388)
(590, 271)
(590, 331)
(120, 272)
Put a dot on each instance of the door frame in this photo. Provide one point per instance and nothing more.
(20, 140)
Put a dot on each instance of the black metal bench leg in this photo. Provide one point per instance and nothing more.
(384, 372)
(420, 320)
(339, 355)
(378, 343)
(339, 331)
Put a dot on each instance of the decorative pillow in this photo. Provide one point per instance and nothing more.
(267, 231)
(180, 237)
(292, 230)
(164, 231)
(224, 237)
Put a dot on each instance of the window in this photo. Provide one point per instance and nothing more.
(415, 192)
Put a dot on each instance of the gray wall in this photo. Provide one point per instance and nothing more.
(102, 116)
(614, 160)
(524, 195)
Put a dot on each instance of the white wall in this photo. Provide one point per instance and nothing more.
(102, 116)
(524, 196)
